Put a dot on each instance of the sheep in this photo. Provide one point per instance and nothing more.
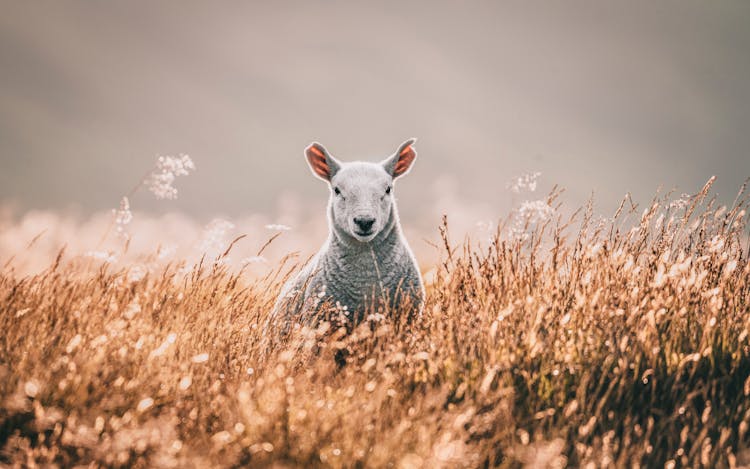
(365, 265)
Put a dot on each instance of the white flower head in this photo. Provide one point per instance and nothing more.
(214, 235)
(682, 202)
(535, 211)
(527, 216)
(254, 260)
(104, 256)
(525, 182)
(123, 216)
(165, 252)
(161, 180)
(278, 227)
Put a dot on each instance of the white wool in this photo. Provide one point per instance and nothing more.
(365, 265)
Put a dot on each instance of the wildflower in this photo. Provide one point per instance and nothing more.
(167, 169)
(166, 252)
(682, 202)
(278, 227)
(530, 212)
(526, 181)
(253, 260)
(123, 216)
(104, 256)
(214, 234)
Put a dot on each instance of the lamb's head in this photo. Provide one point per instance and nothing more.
(362, 201)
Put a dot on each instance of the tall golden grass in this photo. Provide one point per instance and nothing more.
(612, 343)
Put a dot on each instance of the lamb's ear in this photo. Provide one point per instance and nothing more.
(321, 162)
(401, 161)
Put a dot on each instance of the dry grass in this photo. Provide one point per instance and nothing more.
(619, 343)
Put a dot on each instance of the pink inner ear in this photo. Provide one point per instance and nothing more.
(317, 160)
(406, 157)
(315, 150)
(321, 169)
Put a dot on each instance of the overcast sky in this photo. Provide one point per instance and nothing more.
(608, 97)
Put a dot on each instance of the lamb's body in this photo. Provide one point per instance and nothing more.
(366, 265)
(359, 277)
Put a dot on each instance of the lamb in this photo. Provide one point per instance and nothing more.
(365, 265)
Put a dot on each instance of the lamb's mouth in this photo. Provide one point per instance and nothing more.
(364, 235)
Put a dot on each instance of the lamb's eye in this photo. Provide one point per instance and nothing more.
(388, 190)
(336, 191)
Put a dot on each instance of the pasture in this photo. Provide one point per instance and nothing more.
(620, 342)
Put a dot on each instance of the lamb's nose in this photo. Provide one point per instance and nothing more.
(364, 224)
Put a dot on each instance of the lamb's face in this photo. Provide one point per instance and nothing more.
(361, 193)
(361, 199)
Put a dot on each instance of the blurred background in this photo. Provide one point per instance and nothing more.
(599, 97)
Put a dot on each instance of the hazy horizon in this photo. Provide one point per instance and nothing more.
(599, 98)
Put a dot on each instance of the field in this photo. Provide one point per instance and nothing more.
(559, 341)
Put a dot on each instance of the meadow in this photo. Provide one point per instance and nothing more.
(556, 340)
